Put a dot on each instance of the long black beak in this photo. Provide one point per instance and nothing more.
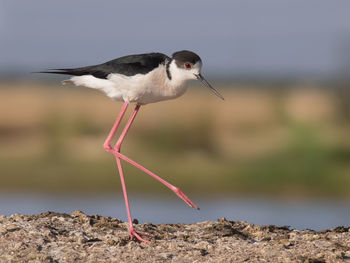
(206, 83)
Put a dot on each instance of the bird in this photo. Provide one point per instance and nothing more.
(141, 79)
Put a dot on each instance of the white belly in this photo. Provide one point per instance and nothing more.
(142, 89)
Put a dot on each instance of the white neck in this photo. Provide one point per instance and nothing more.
(178, 76)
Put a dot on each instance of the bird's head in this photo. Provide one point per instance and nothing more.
(188, 66)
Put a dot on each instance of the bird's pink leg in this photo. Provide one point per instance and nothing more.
(107, 143)
(121, 173)
(175, 189)
(126, 129)
(132, 231)
(107, 146)
(116, 152)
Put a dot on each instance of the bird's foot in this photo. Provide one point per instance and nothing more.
(184, 197)
(138, 236)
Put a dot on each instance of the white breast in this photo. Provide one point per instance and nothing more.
(140, 88)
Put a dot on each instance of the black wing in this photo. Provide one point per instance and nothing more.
(128, 66)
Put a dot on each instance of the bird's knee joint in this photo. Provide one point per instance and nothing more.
(117, 147)
(107, 147)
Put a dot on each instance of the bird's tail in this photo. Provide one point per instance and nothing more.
(65, 71)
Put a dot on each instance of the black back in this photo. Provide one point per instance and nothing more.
(127, 65)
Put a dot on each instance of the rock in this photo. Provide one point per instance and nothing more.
(55, 237)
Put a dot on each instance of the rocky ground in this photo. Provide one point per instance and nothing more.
(54, 237)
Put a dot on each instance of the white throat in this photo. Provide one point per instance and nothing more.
(178, 78)
(181, 75)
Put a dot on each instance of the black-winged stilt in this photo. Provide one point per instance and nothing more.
(140, 79)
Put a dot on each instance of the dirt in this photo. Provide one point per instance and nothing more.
(56, 237)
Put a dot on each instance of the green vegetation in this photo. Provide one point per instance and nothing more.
(290, 144)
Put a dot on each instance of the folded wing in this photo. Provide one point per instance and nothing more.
(128, 66)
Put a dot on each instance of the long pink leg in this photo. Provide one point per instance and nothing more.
(132, 231)
(126, 129)
(107, 143)
(107, 146)
(117, 153)
(175, 189)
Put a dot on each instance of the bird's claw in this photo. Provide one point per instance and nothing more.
(138, 236)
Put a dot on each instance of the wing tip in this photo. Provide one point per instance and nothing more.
(54, 71)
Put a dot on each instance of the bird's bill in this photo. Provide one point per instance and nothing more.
(206, 83)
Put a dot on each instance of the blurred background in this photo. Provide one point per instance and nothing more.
(276, 151)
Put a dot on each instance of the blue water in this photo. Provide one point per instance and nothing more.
(314, 214)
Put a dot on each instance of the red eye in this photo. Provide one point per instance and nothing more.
(188, 65)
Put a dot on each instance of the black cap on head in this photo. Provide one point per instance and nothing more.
(184, 56)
